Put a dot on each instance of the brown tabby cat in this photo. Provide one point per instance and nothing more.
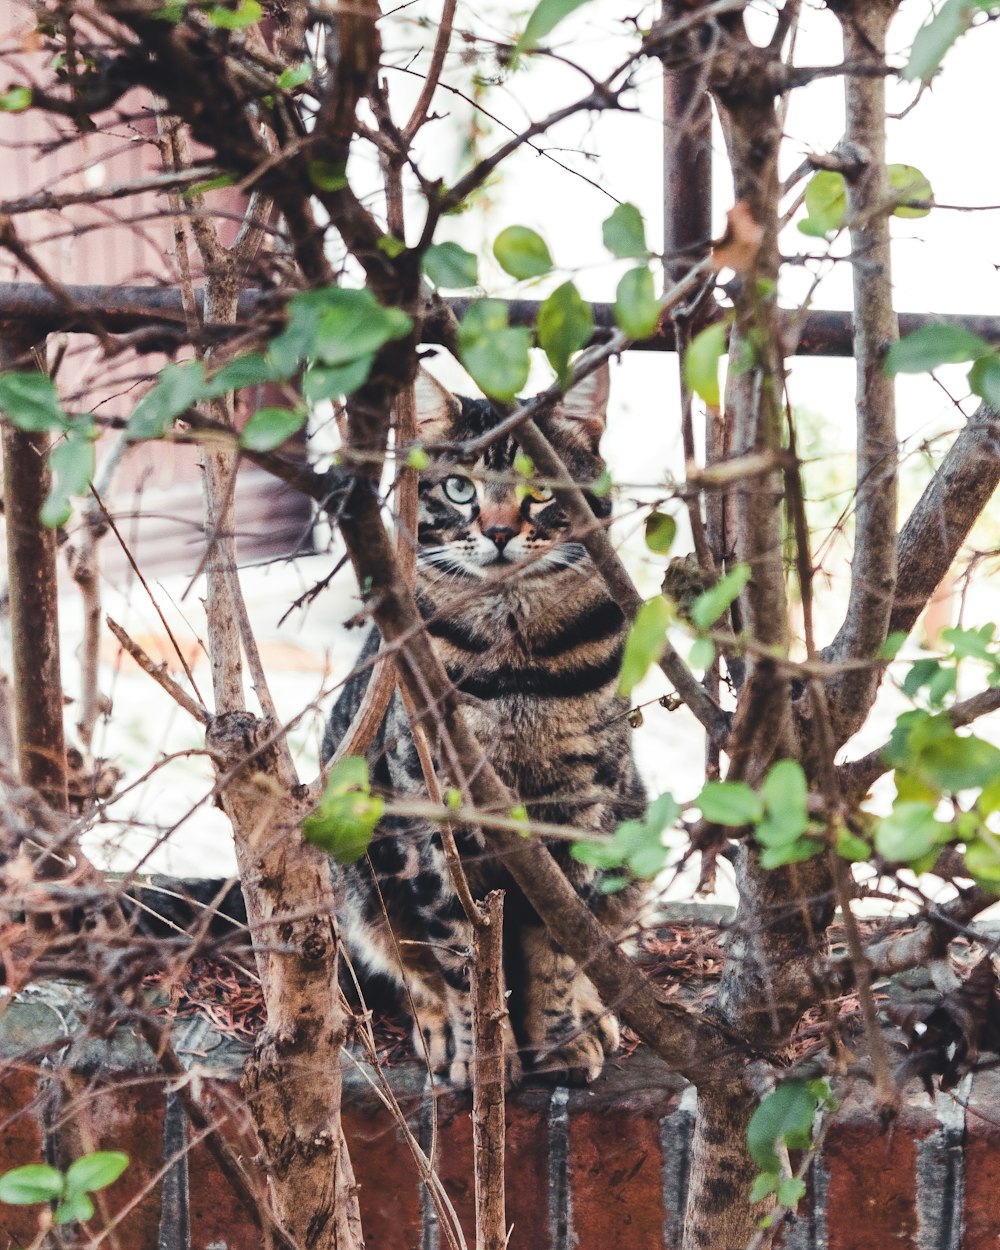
(526, 629)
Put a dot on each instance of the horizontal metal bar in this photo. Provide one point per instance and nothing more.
(122, 309)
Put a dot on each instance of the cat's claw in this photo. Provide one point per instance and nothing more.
(576, 1062)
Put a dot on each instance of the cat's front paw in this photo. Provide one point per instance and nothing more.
(577, 1061)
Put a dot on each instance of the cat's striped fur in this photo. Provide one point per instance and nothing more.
(528, 631)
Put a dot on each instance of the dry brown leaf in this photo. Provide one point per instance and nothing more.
(738, 247)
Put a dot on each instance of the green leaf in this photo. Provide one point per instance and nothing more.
(624, 233)
(989, 800)
(268, 428)
(353, 324)
(784, 1117)
(935, 38)
(335, 325)
(781, 829)
(645, 642)
(344, 820)
(984, 379)
(350, 773)
(179, 387)
(605, 854)
(978, 644)
(702, 654)
(729, 803)
(328, 175)
(418, 459)
(808, 227)
(942, 684)
(764, 1184)
(451, 266)
(710, 605)
(850, 846)
(637, 310)
(701, 363)
(295, 75)
(208, 184)
(494, 353)
(908, 183)
(16, 100)
(253, 369)
(960, 763)
(333, 381)
(785, 788)
(930, 346)
(636, 844)
(565, 324)
(908, 832)
(30, 402)
(546, 15)
(72, 465)
(520, 813)
(920, 674)
(794, 852)
(76, 1208)
(893, 644)
(522, 252)
(661, 530)
(982, 859)
(35, 1182)
(390, 246)
(826, 203)
(95, 1171)
(244, 13)
(791, 1191)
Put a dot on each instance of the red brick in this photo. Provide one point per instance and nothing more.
(387, 1174)
(528, 1170)
(455, 1161)
(527, 1179)
(871, 1199)
(981, 1215)
(124, 1114)
(217, 1215)
(616, 1159)
(20, 1143)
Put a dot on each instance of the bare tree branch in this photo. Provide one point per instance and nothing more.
(874, 568)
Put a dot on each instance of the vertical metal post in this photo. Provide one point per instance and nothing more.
(687, 169)
(34, 619)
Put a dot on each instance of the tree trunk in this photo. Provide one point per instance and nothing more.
(718, 1215)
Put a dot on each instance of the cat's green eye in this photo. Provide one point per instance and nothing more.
(460, 489)
(539, 494)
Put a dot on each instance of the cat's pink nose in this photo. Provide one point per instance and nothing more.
(500, 535)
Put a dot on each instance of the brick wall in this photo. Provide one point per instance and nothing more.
(597, 1169)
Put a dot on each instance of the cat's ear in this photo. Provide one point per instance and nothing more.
(582, 414)
(437, 408)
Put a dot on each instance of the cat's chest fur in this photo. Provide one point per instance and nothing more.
(538, 665)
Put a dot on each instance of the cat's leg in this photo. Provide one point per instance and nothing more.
(566, 1027)
(451, 937)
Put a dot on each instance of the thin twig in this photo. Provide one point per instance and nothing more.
(152, 598)
(441, 42)
(170, 180)
(488, 1111)
(159, 673)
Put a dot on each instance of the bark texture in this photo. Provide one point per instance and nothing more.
(34, 608)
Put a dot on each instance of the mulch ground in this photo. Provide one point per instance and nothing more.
(684, 960)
